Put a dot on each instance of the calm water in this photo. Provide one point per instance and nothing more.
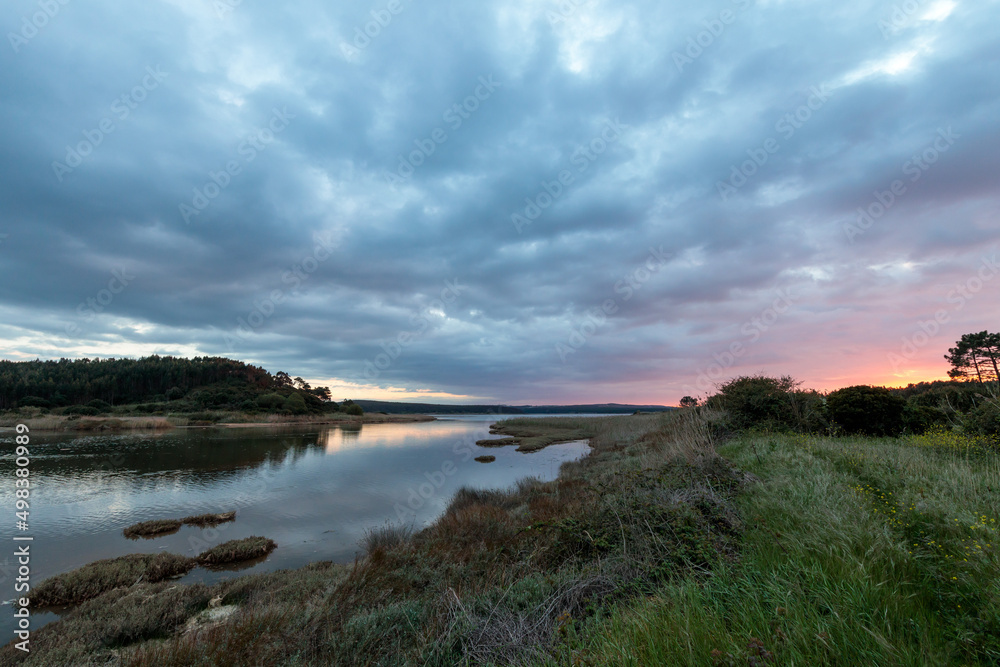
(313, 490)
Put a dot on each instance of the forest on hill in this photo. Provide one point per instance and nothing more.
(185, 385)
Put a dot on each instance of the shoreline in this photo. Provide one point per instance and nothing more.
(112, 424)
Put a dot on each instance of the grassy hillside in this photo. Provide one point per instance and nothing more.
(857, 552)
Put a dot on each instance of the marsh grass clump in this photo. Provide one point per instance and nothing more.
(531, 435)
(203, 520)
(152, 528)
(235, 551)
(99, 577)
(383, 538)
(159, 527)
(485, 459)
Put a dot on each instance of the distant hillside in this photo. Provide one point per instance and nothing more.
(431, 408)
(600, 408)
(397, 408)
(195, 384)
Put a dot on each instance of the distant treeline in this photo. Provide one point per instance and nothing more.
(199, 383)
(396, 408)
(436, 409)
(778, 404)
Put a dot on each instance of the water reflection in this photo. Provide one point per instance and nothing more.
(312, 490)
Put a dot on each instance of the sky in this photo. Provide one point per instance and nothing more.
(527, 201)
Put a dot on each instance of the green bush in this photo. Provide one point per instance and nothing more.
(918, 418)
(354, 409)
(866, 410)
(984, 419)
(271, 401)
(295, 404)
(175, 393)
(758, 401)
(34, 402)
(84, 410)
(103, 406)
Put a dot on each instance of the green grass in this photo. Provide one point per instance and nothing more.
(857, 552)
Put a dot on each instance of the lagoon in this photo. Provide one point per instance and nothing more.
(312, 489)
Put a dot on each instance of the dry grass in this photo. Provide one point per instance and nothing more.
(96, 578)
(385, 537)
(209, 519)
(89, 424)
(158, 527)
(151, 528)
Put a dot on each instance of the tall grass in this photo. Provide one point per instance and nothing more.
(858, 552)
(385, 537)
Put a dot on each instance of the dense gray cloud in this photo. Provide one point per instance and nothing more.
(268, 182)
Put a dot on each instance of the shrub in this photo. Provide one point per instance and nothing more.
(103, 406)
(919, 418)
(757, 401)
(175, 393)
(271, 401)
(866, 410)
(34, 402)
(295, 404)
(354, 409)
(984, 419)
(84, 410)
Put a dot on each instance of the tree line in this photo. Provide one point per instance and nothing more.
(970, 401)
(202, 382)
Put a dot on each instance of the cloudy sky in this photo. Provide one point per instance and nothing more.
(526, 201)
